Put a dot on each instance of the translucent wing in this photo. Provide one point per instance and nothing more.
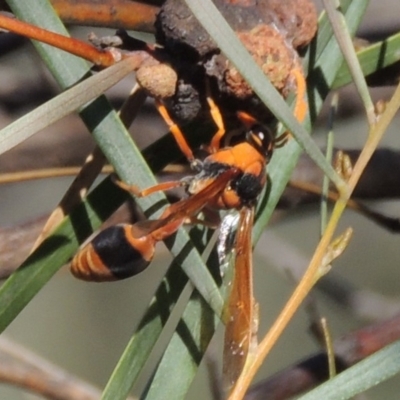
(240, 318)
(226, 244)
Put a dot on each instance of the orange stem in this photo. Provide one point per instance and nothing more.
(125, 14)
(73, 46)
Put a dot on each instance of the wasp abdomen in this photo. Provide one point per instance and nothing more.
(113, 254)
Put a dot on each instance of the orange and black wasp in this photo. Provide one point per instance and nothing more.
(229, 178)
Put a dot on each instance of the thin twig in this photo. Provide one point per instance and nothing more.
(21, 367)
(44, 173)
(126, 14)
(310, 372)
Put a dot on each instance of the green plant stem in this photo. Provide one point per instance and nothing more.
(343, 37)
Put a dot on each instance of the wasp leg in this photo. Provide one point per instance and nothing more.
(217, 117)
(161, 187)
(301, 106)
(175, 130)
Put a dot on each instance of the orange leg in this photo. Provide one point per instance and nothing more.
(174, 128)
(161, 187)
(301, 106)
(217, 117)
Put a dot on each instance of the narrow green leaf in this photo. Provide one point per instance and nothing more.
(142, 342)
(62, 105)
(150, 328)
(184, 352)
(366, 374)
(335, 15)
(325, 30)
(372, 59)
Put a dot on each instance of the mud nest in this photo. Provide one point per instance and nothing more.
(271, 30)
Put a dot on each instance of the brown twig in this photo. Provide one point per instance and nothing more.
(21, 367)
(378, 180)
(44, 173)
(126, 14)
(15, 244)
(390, 223)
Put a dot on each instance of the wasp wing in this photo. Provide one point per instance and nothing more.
(226, 245)
(186, 208)
(240, 318)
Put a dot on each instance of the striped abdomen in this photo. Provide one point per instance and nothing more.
(113, 254)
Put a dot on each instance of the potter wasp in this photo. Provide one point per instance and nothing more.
(229, 178)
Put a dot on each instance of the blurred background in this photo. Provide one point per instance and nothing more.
(84, 327)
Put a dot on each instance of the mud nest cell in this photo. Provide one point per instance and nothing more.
(271, 30)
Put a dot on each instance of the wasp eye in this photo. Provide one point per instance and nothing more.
(261, 138)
